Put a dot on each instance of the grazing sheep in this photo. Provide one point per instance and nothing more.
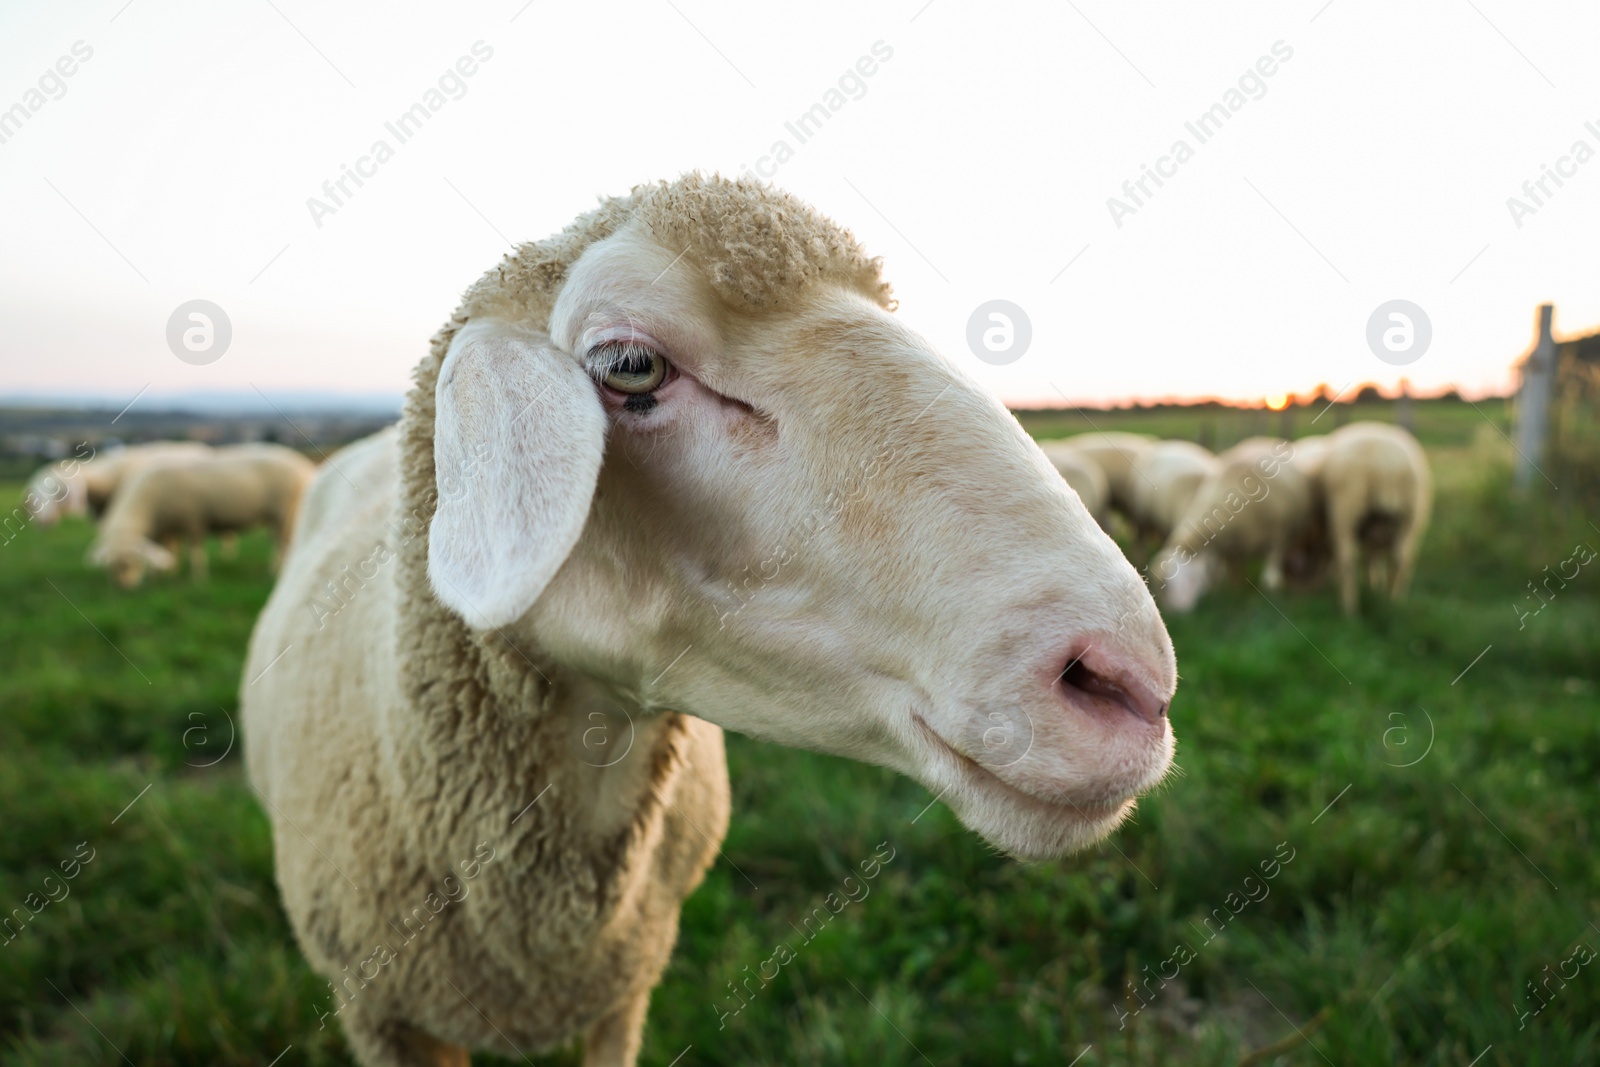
(1377, 494)
(1309, 453)
(1254, 505)
(671, 470)
(1115, 453)
(1084, 476)
(1164, 479)
(84, 485)
(1305, 564)
(183, 500)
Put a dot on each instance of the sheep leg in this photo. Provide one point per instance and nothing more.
(1347, 555)
(1376, 572)
(391, 1044)
(1405, 561)
(1272, 572)
(230, 545)
(198, 564)
(614, 1041)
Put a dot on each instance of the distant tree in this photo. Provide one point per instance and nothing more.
(1368, 394)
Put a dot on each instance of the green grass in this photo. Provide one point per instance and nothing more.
(1412, 914)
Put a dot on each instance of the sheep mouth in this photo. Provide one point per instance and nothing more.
(1057, 807)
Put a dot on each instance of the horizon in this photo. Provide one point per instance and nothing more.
(223, 403)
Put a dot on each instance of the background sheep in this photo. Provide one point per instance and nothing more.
(1085, 477)
(1305, 564)
(1254, 505)
(1377, 495)
(84, 485)
(184, 500)
(842, 546)
(1115, 454)
(1162, 484)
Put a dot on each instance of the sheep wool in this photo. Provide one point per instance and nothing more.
(1377, 495)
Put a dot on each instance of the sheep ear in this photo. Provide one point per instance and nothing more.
(519, 433)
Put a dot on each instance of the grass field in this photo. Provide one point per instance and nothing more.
(1422, 786)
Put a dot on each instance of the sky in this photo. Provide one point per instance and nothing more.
(981, 149)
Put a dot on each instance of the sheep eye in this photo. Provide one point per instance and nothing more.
(630, 368)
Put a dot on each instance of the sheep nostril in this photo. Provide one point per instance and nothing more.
(1080, 677)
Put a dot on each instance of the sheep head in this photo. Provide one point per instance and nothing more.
(1185, 577)
(127, 559)
(774, 506)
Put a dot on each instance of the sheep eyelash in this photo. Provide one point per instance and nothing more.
(610, 356)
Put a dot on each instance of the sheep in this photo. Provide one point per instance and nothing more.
(1377, 494)
(84, 484)
(1163, 482)
(1305, 564)
(1309, 453)
(1085, 477)
(673, 470)
(225, 491)
(1115, 453)
(1254, 505)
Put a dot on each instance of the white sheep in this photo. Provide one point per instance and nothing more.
(1162, 483)
(1377, 495)
(1084, 476)
(178, 500)
(1115, 453)
(84, 483)
(1305, 563)
(1309, 453)
(672, 470)
(1255, 505)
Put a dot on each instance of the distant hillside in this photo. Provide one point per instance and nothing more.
(210, 402)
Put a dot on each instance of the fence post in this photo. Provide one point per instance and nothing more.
(1402, 407)
(1533, 399)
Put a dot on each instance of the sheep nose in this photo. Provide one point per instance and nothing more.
(1098, 681)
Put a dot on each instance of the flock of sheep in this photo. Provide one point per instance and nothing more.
(639, 412)
(1361, 494)
(153, 499)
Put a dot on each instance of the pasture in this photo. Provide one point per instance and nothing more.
(1379, 847)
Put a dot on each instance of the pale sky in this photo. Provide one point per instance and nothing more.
(175, 163)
